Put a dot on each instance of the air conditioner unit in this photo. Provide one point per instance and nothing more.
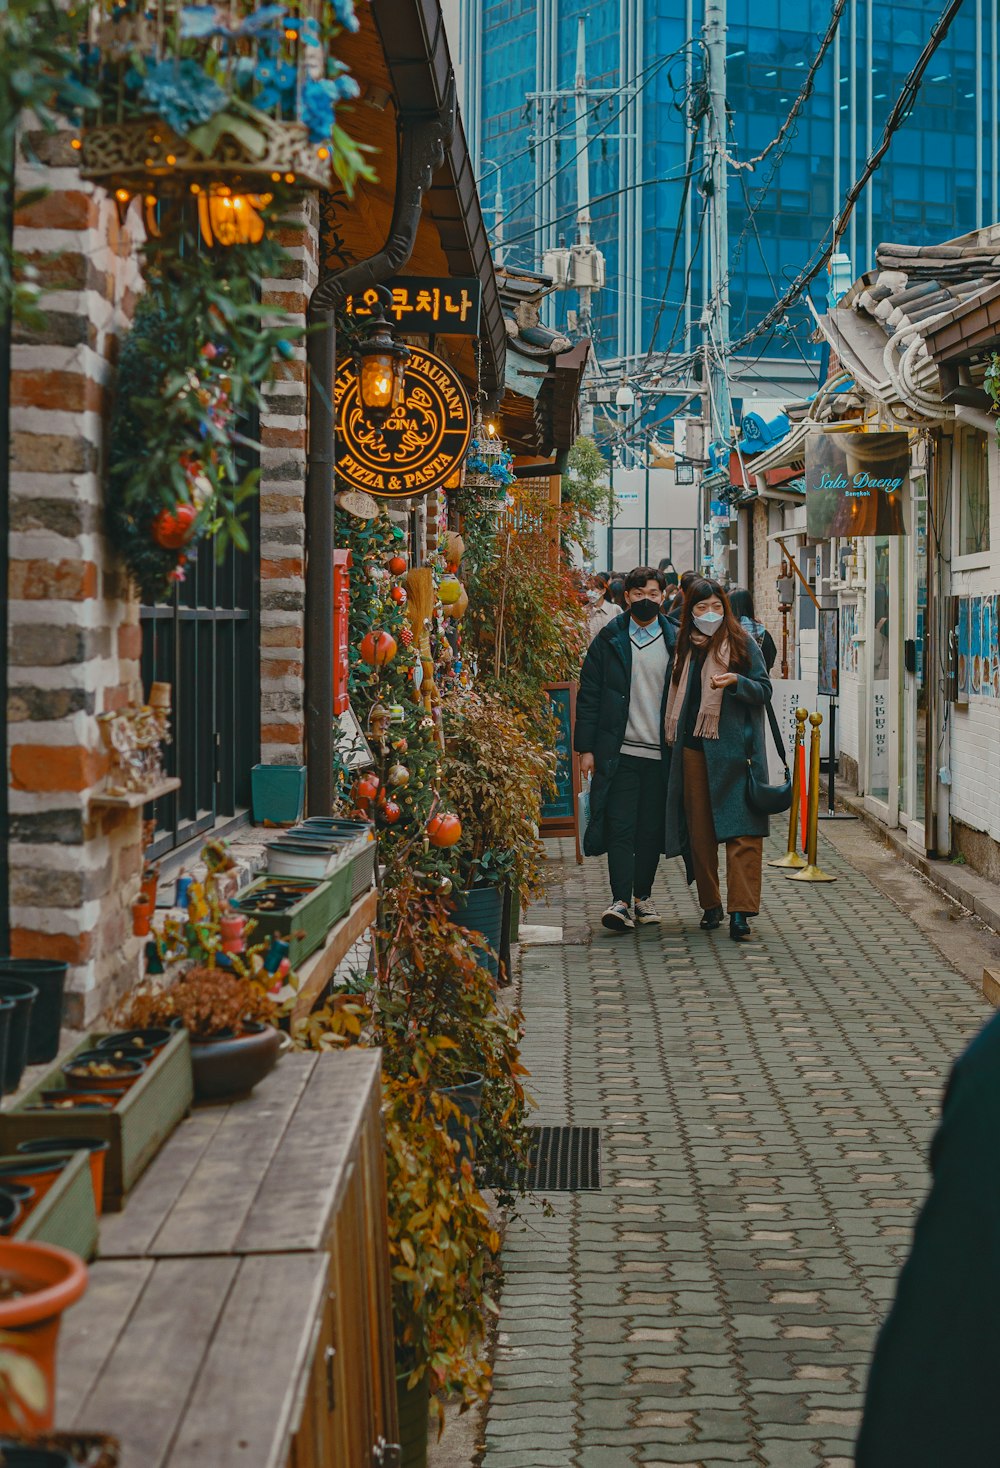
(555, 263)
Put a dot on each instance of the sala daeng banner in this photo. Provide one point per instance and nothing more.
(856, 484)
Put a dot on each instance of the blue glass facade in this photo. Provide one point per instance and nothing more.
(939, 179)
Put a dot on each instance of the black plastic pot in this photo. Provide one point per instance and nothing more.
(231, 1065)
(481, 909)
(413, 1405)
(23, 1455)
(49, 978)
(148, 1039)
(24, 995)
(10, 1212)
(6, 1019)
(468, 1098)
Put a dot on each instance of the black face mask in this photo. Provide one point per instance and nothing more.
(645, 609)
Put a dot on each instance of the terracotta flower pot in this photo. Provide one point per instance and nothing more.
(37, 1173)
(233, 1064)
(96, 1146)
(78, 1101)
(142, 915)
(51, 1279)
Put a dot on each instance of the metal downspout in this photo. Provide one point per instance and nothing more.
(423, 141)
(7, 230)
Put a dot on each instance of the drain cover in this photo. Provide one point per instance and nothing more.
(563, 1159)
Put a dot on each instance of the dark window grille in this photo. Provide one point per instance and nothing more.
(205, 643)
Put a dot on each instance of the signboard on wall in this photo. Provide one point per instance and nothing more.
(424, 306)
(559, 812)
(828, 674)
(421, 445)
(856, 484)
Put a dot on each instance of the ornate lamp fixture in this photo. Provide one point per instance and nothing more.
(489, 467)
(380, 364)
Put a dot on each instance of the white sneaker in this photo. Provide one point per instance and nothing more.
(618, 918)
(645, 911)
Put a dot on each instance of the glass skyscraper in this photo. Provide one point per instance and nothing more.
(517, 62)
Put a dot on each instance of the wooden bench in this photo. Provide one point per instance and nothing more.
(240, 1313)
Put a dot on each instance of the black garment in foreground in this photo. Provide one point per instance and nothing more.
(634, 825)
(933, 1399)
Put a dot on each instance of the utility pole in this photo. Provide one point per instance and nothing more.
(581, 255)
(718, 418)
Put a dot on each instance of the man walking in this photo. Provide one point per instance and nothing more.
(619, 736)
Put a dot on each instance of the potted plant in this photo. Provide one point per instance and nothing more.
(37, 1283)
(231, 1022)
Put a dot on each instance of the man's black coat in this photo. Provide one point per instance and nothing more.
(602, 706)
(933, 1400)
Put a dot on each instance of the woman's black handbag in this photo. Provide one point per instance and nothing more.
(769, 800)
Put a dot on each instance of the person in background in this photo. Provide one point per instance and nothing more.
(677, 605)
(718, 687)
(599, 610)
(932, 1396)
(619, 737)
(742, 604)
(616, 591)
(669, 572)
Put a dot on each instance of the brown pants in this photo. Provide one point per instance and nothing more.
(744, 854)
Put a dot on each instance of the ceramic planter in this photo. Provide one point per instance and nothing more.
(481, 910)
(461, 1129)
(53, 1279)
(45, 1020)
(413, 1406)
(231, 1065)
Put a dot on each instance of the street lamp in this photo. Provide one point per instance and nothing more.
(380, 365)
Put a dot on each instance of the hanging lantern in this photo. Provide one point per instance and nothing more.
(489, 464)
(380, 365)
(225, 218)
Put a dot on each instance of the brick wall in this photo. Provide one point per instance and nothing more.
(74, 639)
(282, 509)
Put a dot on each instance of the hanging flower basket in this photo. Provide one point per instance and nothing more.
(489, 465)
(199, 98)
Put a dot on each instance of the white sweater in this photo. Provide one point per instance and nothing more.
(649, 676)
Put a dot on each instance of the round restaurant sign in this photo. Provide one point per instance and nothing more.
(423, 442)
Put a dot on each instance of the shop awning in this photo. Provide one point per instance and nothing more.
(401, 61)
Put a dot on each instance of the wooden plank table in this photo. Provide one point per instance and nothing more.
(204, 1325)
(194, 1360)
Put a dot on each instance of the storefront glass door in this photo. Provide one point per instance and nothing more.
(884, 629)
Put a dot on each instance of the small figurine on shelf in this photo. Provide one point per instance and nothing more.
(134, 737)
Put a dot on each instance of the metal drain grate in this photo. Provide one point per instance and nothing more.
(563, 1159)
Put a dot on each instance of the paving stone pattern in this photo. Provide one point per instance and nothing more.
(766, 1111)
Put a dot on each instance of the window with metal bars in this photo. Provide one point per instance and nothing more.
(206, 644)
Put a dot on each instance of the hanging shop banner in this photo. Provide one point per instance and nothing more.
(424, 307)
(424, 441)
(856, 484)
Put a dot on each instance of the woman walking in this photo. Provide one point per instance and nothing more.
(742, 604)
(714, 725)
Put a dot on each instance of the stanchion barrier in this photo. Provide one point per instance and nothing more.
(804, 787)
(791, 857)
(811, 872)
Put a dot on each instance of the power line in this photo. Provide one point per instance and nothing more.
(804, 95)
(654, 70)
(696, 117)
(641, 183)
(900, 112)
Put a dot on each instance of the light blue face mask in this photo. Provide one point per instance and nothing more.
(709, 623)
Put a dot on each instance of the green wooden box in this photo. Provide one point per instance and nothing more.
(305, 925)
(67, 1215)
(136, 1129)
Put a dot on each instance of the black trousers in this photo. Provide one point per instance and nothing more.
(634, 825)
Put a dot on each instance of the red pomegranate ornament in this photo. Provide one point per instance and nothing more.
(398, 595)
(390, 812)
(378, 648)
(172, 529)
(444, 829)
(367, 789)
(397, 565)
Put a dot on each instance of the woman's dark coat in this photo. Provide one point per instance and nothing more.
(602, 705)
(726, 759)
(932, 1398)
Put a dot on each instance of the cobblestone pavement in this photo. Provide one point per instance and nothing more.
(766, 1111)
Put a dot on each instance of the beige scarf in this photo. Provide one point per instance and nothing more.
(716, 663)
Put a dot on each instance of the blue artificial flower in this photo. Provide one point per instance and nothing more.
(319, 98)
(200, 21)
(344, 12)
(307, 30)
(346, 88)
(279, 80)
(182, 94)
(268, 17)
